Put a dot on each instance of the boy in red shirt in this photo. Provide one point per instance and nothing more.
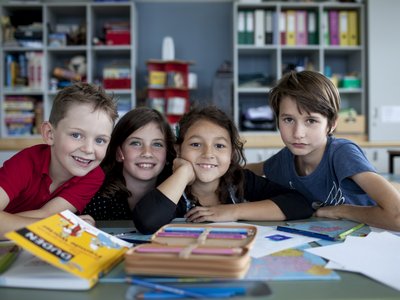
(63, 173)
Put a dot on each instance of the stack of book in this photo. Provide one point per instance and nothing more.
(19, 115)
(62, 252)
(194, 251)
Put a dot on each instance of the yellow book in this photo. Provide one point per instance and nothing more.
(343, 28)
(291, 27)
(68, 243)
(353, 27)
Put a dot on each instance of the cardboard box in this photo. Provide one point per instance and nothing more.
(350, 124)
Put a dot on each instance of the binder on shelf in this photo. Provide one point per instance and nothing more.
(259, 27)
(312, 28)
(241, 27)
(291, 27)
(269, 27)
(301, 28)
(334, 27)
(282, 27)
(250, 27)
(343, 28)
(325, 28)
(352, 19)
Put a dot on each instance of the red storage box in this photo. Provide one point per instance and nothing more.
(118, 37)
(112, 83)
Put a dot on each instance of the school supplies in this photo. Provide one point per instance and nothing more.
(165, 288)
(194, 250)
(203, 292)
(330, 230)
(8, 254)
(68, 243)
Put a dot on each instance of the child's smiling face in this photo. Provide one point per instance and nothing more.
(79, 142)
(208, 147)
(144, 153)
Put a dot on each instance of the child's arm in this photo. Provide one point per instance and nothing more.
(159, 206)
(9, 222)
(386, 214)
(257, 168)
(174, 186)
(264, 210)
(52, 207)
(268, 202)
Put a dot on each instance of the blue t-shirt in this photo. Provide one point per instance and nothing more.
(329, 184)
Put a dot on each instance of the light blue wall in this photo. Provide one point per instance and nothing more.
(202, 33)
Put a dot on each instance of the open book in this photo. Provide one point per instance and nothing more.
(62, 252)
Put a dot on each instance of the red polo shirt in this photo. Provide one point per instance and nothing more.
(26, 180)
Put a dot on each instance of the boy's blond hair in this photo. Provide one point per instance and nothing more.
(82, 93)
(312, 91)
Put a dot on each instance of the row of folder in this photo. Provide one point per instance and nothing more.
(341, 27)
(261, 27)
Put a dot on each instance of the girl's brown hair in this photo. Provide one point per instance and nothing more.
(130, 122)
(234, 176)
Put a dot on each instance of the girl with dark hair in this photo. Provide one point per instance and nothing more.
(139, 157)
(208, 182)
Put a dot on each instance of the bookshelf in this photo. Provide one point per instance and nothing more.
(273, 37)
(168, 87)
(46, 45)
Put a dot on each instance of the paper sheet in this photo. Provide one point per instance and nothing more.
(269, 240)
(375, 256)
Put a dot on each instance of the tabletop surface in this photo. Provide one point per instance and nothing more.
(350, 285)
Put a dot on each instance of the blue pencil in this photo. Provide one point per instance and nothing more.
(163, 295)
(306, 233)
(165, 288)
(208, 292)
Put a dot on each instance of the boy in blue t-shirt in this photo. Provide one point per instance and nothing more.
(333, 174)
(63, 173)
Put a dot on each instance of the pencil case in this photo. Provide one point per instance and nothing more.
(194, 250)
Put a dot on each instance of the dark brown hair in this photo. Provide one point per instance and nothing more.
(312, 91)
(130, 122)
(234, 175)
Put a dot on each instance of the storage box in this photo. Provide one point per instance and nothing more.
(194, 250)
(115, 83)
(118, 37)
(351, 124)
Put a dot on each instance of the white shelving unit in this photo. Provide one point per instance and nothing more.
(92, 16)
(270, 60)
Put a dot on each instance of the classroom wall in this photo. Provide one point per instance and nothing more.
(202, 33)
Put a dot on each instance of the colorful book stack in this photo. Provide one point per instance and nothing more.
(342, 28)
(19, 115)
(298, 27)
(194, 250)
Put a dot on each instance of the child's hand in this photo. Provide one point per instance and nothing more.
(186, 167)
(331, 212)
(217, 213)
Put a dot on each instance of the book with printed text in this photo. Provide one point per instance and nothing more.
(75, 253)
